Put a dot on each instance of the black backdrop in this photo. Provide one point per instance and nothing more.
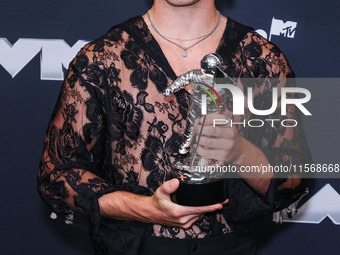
(310, 42)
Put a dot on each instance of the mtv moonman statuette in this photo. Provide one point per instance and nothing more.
(198, 188)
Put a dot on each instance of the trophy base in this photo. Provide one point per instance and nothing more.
(200, 194)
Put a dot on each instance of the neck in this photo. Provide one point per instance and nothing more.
(184, 21)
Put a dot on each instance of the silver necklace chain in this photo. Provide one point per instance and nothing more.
(202, 38)
(179, 39)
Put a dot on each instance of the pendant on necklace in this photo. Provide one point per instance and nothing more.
(185, 53)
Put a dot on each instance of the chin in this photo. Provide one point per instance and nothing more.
(179, 3)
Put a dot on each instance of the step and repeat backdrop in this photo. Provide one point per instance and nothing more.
(39, 38)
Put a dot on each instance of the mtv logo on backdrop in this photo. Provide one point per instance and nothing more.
(55, 54)
(324, 204)
(280, 28)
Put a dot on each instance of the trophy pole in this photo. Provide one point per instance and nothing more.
(199, 137)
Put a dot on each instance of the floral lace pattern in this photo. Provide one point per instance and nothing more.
(112, 127)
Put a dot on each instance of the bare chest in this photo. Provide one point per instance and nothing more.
(181, 64)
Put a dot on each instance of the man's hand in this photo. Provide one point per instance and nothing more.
(226, 145)
(158, 208)
(166, 212)
(221, 142)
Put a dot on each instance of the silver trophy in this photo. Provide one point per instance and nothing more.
(197, 186)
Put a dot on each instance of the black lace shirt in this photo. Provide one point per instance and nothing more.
(111, 129)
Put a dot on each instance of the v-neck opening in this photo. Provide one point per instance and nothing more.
(160, 54)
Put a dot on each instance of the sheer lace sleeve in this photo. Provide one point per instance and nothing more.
(257, 58)
(282, 146)
(74, 147)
